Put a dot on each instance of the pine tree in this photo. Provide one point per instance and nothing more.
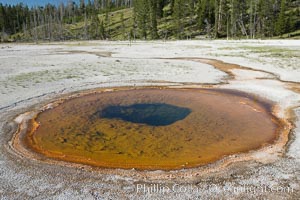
(178, 14)
(160, 7)
(123, 26)
(280, 24)
(153, 17)
(102, 31)
(172, 4)
(94, 27)
(82, 6)
(217, 18)
(141, 10)
(202, 5)
(233, 17)
(2, 22)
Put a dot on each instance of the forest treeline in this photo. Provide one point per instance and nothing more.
(150, 19)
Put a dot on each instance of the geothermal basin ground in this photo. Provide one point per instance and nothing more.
(36, 76)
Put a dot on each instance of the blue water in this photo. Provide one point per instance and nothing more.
(154, 114)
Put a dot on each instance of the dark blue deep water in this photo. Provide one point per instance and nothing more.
(153, 114)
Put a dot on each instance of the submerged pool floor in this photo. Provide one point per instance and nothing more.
(153, 114)
(152, 128)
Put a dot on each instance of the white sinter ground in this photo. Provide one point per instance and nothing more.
(31, 74)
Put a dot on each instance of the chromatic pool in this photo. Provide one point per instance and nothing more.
(152, 128)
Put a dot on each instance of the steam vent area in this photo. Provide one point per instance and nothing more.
(151, 128)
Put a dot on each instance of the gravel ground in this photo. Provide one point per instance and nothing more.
(32, 75)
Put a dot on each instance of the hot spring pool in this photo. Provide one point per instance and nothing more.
(151, 128)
